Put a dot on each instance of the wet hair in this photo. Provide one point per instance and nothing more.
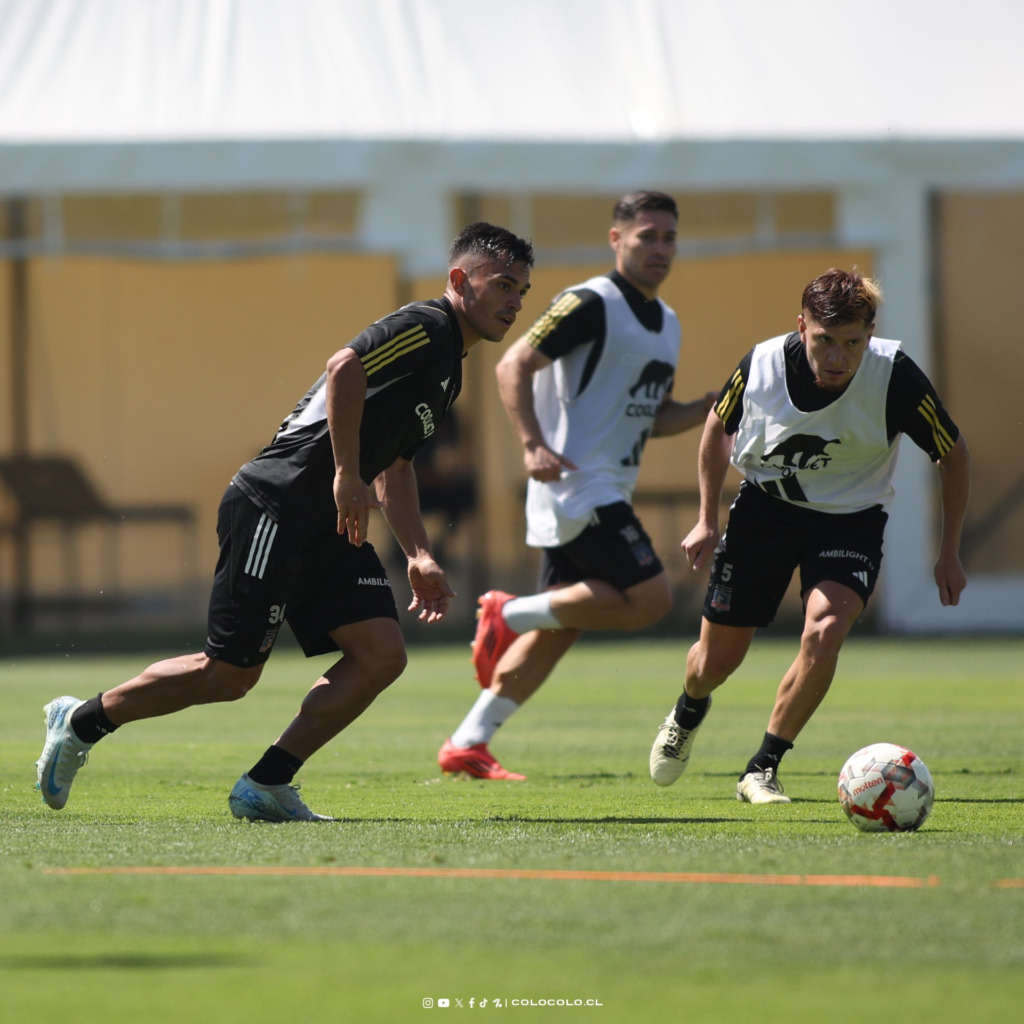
(630, 206)
(842, 297)
(490, 242)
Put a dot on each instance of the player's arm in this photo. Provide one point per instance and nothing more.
(675, 417)
(716, 446)
(712, 464)
(400, 502)
(346, 395)
(954, 488)
(515, 385)
(913, 407)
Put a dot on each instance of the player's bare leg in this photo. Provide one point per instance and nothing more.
(831, 609)
(718, 652)
(74, 726)
(594, 604)
(176, 684)
(525, 666)
(519, 671)
(374, 657)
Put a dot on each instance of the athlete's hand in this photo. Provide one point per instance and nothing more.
(354, 501)
(950, 578)
(430, 591)
(545, 465)
(700, 544)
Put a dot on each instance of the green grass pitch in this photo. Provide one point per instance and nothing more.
(112, 948)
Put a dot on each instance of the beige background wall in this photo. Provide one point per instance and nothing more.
(163, 378)
(980, 258)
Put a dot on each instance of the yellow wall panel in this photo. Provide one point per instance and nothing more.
(5, 356)
(560, 220)
(162, 379)
(804, 211)
(980, 255)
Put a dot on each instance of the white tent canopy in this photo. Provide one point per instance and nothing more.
(139, 94)
(412, 101)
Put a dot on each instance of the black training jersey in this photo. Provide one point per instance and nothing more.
(911, 405)
(413, 364)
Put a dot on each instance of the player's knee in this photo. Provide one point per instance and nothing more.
(712, 665)
(224, 682)
(656, 608)
(824, 636)
(381, 664)
(650, 605)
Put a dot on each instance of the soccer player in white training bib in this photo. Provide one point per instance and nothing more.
(813, 421)
(292, 530)
(585, 389)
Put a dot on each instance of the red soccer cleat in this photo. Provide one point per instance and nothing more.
(477, 761)
(493, 636)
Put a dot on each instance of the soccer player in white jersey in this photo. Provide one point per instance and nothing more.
(585, 388)
(813, 421)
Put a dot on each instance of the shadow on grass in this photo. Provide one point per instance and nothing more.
(522, 819)
(982, 800)
(515, 819)
(133, 961)
(593, 775)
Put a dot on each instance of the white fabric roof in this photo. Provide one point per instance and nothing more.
(109, 73)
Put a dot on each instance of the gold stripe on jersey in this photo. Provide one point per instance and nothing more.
(943, 442)
(389, 346)
(725, 407)
(549, 320)
(930, 403)
(397, 347)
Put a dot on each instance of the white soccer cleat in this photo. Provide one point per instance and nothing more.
(254, 802)
(63, 752)
(761, 788)
(671, 751)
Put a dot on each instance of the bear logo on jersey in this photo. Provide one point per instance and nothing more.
(799, 451)
(655, 378)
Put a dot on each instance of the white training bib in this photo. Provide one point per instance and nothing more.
(596, 406)
(837, 459)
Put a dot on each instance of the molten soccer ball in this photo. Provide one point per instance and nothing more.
(886, 788)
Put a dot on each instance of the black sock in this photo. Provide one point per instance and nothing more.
(89, 722)
(690, 711)
(275, 768)
(769, 756)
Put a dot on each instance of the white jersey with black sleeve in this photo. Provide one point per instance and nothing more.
(839, 458)
(597, 401)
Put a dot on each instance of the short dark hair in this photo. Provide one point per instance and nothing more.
(842, 297)
(630, 206)
(490, 242)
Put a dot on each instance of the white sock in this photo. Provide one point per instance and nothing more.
(534, 612)
(483, 719)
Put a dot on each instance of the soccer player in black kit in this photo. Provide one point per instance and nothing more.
(292, 530)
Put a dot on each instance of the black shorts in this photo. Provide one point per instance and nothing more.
(614, 548)
(767, 538)
(269, 572)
